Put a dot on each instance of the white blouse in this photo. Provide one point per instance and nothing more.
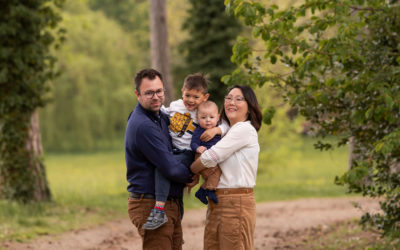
(237, 155)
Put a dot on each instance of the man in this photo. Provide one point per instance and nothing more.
(147, 147)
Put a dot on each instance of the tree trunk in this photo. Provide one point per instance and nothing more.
(41, 191)
(159, 45)
(351, 153)
(22, 174)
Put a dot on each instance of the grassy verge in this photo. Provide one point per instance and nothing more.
(87, 189)
(90, 188)
(299, 172)
(343, 235)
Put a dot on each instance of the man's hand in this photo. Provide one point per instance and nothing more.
(201, 149)
(195, 179)
(210, 133)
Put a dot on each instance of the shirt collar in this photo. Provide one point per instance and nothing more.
(152, 115)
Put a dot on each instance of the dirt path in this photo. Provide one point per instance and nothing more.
(278, 224)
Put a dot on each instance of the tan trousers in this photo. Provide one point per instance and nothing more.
(166, 237)
(230, 223)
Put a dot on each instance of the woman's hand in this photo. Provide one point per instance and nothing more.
(201, 149)
(210, 133)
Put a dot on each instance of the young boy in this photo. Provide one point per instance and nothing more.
(183, 122)
(208, 117)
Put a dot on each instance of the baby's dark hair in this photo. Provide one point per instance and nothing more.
(196, 81)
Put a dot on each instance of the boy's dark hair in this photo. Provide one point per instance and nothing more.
(146, 73)
(196, 81)
(255, 115)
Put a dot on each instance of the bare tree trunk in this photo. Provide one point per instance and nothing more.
(41, 190)
(351, 152)
(159, 45)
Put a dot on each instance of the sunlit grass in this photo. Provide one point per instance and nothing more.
(94, 180)
(90, 188)
(87, 189)
(303, 172)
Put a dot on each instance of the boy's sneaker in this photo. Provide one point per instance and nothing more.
(156, 219)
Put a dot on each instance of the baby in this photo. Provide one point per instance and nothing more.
(207, 117)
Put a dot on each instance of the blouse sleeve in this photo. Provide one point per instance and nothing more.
(224, 127)
(236, 138)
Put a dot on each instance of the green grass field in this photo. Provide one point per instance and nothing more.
(90, 188)
(301, 171)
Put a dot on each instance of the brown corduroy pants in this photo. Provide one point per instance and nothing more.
(168, 236)
(210, 176)
(230, 224)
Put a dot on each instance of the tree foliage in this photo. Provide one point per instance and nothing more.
(97, 61)
(342, 72)
(209, 46)
(26, 67)
(132, 16)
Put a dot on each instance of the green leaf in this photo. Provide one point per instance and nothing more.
(389, 101)
(3, 75)
(369, 113)
(226, 79)
(358, 117)
(270, 12)
(268, 114)
(265, 35)
(294, 49)
(257, 31)
(273, 59)
(241, 51)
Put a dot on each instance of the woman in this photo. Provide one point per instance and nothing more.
(230, 223)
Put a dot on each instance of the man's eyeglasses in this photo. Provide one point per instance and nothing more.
(149, 93)
(236, 99)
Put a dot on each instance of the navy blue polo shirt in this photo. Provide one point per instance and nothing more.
(148, 146)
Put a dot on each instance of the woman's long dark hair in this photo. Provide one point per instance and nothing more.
(255, 115)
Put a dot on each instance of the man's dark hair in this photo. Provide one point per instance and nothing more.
(255, 115)
(146, 73)
(196, 81)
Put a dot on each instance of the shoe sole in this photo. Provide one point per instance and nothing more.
(153, 228)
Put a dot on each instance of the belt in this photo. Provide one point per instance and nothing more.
(141, 196)
(179, 151)
(234, 191)
(135, 195)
